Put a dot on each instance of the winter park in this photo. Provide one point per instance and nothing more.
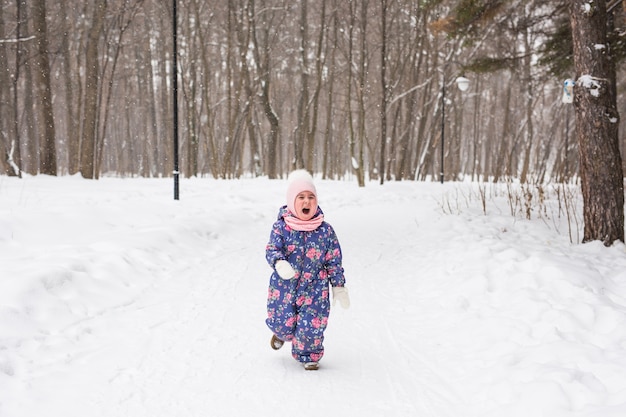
(323, 207)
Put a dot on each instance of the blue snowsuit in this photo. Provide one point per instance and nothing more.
(298, 308)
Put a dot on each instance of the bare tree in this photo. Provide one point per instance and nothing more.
(206, 93)
(47, 161)
(264, 36)
(122, 18)
(385, 89)
(91, 92)
(264, 81)
(357, 135)
(328, 166)
(315, 100)
(71, 109)
(302, 125)
(8, 125)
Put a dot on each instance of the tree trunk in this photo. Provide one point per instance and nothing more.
(528, 82)
(302, 126)
(361, 133)
(25, 132)
(240, 103)
(92, 72)
(165, 155)
(329, 167)
(8, 111)
(319, 57)
(71, 118)
(28, 128)
(122, 22)
(597, 124)
(499, 168)
(264, 69)
(206, 94)
(48, 154)
(385, 90)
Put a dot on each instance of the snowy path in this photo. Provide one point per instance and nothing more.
(159, 309)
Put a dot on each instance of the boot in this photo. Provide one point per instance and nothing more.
(311, 366)
(276, 343)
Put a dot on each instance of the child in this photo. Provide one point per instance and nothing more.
(305, 254)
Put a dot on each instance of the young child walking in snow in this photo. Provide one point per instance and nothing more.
(305, 254)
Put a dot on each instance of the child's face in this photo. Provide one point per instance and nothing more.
(305, 205)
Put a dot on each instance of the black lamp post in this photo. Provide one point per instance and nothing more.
(463, 84)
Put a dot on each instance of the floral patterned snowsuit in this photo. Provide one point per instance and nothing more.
(298, 309)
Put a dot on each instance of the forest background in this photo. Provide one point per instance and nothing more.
(265, 86)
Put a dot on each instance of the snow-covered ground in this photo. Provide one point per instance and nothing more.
(116, 300)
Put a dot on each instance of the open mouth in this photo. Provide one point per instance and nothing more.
(306, 210)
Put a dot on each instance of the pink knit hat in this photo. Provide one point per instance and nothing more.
(299, 181)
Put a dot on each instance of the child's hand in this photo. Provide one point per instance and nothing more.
(341, 294)
(284, 269)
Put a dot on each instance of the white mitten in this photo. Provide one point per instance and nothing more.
(341, 294)
(284, 269)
